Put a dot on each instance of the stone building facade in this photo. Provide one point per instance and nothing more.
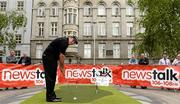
(105, 29)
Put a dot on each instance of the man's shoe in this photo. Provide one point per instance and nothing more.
(54, 96)
(23, 88)
(54, 100)
(58, 98)
(15, 88)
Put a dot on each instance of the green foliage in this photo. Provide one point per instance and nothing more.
(162, 23)
(9, 22)
(3, 21)
(17, 20)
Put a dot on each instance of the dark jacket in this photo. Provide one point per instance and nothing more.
(143, 61)
(25, 60)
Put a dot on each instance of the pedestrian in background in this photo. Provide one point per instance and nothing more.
(143, 60)
(24, 60)
(133, 60)
(164, 60)
(11, 58)
(176, 61)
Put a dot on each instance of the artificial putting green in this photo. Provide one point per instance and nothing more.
(85, 94)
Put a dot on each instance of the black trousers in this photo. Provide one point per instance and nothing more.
(50, 68)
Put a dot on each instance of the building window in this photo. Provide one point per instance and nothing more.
(130, 47)
(116, 50)
(87, 29)
(87, 50)
(74, 16)
(129, 29)
(3, 5)
(54, 11)
(18, 54)
(115, 10)
(18, 38)
(130, 10)
(20, 5)
(102, 50)
(39, 51)
(115, 29)
(87, 10)
(41, 11)
(101, 10)
(101, 29)
(41, 28)
(54, 28)
(70, 33)
(70, 16)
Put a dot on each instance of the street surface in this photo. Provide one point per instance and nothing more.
(145, 96)
(15, 96)
(152, 95)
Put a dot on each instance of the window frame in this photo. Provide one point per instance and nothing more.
(101, 10)
(20, 5)
(114, 29)
(116, 54)
(40, 50)
(40, 29)
(3, 5)
(87, 50)
(102, 50)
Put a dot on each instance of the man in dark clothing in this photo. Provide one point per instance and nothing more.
(54, 52)
(25, 60)
(143, 60)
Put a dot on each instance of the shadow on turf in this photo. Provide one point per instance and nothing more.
(83, 93)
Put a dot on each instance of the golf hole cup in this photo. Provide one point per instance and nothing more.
(74, 98)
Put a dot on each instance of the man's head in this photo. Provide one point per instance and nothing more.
(72, 40)
(24, 55)
(178, 57)
(12, 53)
(164, 55)
(142, 55)
(132, 56)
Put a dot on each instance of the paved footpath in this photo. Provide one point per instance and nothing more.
(145, 96)
(152, 95)
(12, 96)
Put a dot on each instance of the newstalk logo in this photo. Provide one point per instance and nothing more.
(91, 74)
(37, 75)
(160, 78)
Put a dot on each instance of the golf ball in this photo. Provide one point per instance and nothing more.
(74, 98)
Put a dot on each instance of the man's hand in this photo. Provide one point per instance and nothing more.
(63, 71)
(61, 62)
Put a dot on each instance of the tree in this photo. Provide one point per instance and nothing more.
(162, 27)
(9, 23)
